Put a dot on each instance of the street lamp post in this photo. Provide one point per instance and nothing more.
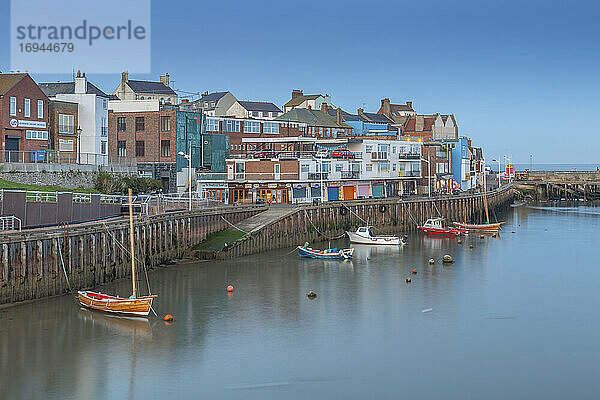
(79, 130)
(428, 175)
(498, 161)
(189, 158)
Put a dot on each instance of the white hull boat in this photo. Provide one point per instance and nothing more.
(364, 235)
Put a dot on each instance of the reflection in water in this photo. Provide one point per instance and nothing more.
(494, 316)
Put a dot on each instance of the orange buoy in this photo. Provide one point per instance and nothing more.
(414, 271)
(168, 318)
(408, 280)
(230, 288)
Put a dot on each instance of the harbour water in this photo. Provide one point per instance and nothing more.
(515, 317)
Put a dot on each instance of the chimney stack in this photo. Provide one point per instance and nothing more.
(164, 79)
(124, 77)
(409, 104)
(338, 116)
(297, 93)
(386, 107)
(361, 112)
(80, 83)
(183, 101)
(324, 107)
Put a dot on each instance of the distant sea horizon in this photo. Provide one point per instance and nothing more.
(549, 167)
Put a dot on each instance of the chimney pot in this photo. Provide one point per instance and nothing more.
(338, 115)
(164, 79)
(79, 73)
(296, 93)
(124, 76)
(409, 103)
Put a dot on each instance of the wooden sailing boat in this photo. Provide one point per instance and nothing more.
(114, 304)
(487, 227)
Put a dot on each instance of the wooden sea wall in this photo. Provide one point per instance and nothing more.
(31, 263)
(329, 220)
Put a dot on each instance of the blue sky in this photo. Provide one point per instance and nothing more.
(521, 77)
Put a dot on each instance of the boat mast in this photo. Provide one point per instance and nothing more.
(131, 240)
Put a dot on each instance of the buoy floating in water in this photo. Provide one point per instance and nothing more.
(470, 246)
(311, 295)
(414, 271)
(230, 288)
(168, 318)
(431, 261)
(408, 280)
(459, 241)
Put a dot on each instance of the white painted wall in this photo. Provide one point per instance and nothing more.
(133, 105)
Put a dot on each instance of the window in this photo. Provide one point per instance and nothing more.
(383, 166)
(255, 113)
(65, 145)
(231, 125)
(66, 123)
(326, 166)
(304, 168)
(165, 123)
(13, 106)
(121, 124)
(36, 135)
(40, 109)
(251, 127)
(368, 148)
(103, 147)
(339, 167)
(139, 148)
(27, 108)
(393, 149)
(122, 148)
(271, 127)
(393, 167)
(103, 127)
(139, 124)
(212, 124)
(104, 104)
(165, 148)
(382, 151)
(369, 167)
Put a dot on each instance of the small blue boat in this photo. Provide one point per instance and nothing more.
(327, 254)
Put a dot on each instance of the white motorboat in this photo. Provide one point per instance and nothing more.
(364, 235)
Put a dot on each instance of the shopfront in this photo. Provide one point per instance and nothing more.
(349, 192)
(377, 189)
(273, 195)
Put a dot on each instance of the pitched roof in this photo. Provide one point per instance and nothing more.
(311, 118)
(296, 101)
(51, 89)
(377, 118)
(346, 116)
(150, 87)
(419, 123)
(7, 81)
(259, 106)
(214, 96)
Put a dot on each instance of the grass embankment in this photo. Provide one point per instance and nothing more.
(4, 184)
(216, 241)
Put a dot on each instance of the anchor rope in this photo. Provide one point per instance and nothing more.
(241, 230)
(321, 233)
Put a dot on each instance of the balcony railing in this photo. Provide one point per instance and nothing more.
(317, 176)
(404, 174)
(258, 154)
(409, 156)
(350, 174)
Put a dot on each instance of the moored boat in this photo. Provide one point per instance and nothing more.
(435, 226)
(115, 304)
(364, 235)
(328, 254)
(495, 227)
(136, 306)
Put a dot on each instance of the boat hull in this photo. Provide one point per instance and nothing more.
(311, 253)
(139, 306)
(480, 227)
(442, 231)
(378, 240)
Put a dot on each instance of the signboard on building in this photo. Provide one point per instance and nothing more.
(31, 124)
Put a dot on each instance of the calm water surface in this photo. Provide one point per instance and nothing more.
(515, 317)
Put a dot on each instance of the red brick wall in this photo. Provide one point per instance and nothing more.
(263, 170)
(25, 88)
(151, 136)
(60, 107)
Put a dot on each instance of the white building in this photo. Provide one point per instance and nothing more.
(93, 116)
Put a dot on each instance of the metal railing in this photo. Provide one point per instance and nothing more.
(10, 223)
(65, 157)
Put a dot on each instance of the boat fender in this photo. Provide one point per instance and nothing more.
(408, 280)
(382, 208)
(230, 288)
(343, 210)
(431, 261)
(414, 271)
(168, 318)
(311, 295)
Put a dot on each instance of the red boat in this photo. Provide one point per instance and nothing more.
(434, 226)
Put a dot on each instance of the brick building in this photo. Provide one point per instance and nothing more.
(23, 119)
(62, 130)
(149, 136)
